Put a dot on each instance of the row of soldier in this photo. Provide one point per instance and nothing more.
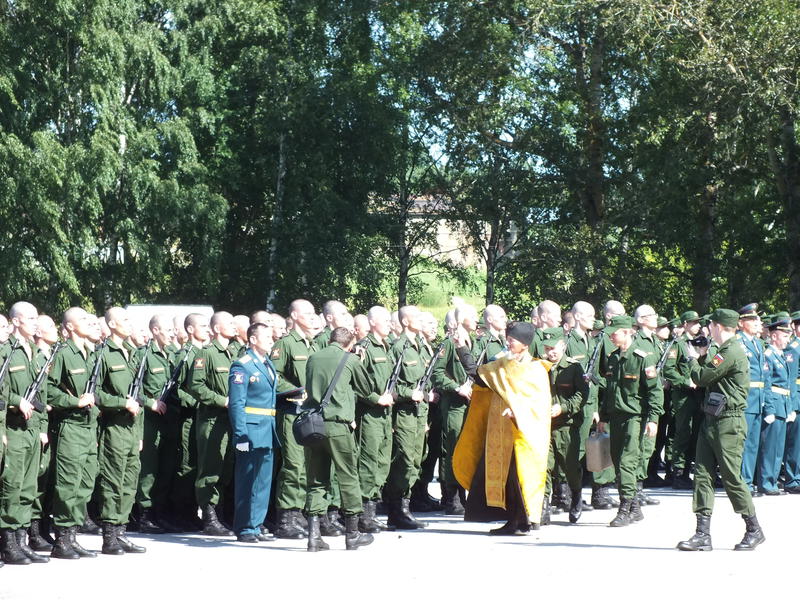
(176, 456)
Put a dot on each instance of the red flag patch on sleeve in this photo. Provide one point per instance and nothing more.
(717, 360)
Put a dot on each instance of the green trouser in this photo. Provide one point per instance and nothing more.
(626, 451)
(118, 459)
(291, 486)
(41, 506)
(75, 471)
(454, 411)
(337, 449)
(432, 452)
(648, 447)
(183, 496)
(19, 477)
(214, 458)
(407, 449)
(686, 415)
(374, 436)
(159, 459)
(721, 444)
(565, 447)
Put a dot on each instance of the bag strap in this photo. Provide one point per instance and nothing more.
(332, 384)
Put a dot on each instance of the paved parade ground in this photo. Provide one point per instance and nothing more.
(450, 559)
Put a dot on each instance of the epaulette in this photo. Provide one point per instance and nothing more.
(245, 359)
(642, 353)
(571, 360)
(768, 352)
(794, 344)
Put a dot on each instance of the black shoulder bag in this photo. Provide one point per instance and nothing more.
(309, 426)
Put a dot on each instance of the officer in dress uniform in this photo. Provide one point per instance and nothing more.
(777, 407)
(251, 410)
(791, 454)
(749, 329)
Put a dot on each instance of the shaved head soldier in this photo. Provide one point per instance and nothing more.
(238, 345)
(261, 316)
(75, 415)
(334, 314)
(279, 326)
(183, 495)
(5, 330)
(290, 356)
(209, 384)
(361, 326)
(18, 482)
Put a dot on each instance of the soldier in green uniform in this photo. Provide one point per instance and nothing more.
(410, 421)
(209, 385)
(74, 418)
(646, 340)
(46, 336)
(238, 345)
(570, 393)
(632, 406)
(289, 357)
(338, 448)
(160, 433)
(183, 496)
(120, 436)
(726, 376)
(335, 315)
(374, 417)
(18, 482)
(455, 390)
(686, 399)
(493, 343)
(548, 314)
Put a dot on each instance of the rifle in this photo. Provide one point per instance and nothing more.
(4, 368)
(392, 382)
(170, 384)
(33, 389)
(91, 384)
(478, 363)
(423, 382)
(588, 374)
(663, 358)
(135, 388)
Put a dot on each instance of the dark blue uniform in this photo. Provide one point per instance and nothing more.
(791, 455)
(777, 401)
(759, 378)
(251, 409)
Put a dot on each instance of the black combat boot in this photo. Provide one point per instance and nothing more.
(353, 538)
(453, 505)
(681, 480)
(400, 517)
(556, 499)
(336, 519)
(366, 520)
(62, 548)
(35, 539)
(89, 527)
(315, 541)
(623, 517)
(127, 545)
(149, 524)
(12, 553)
(110, 544)
(211, 524)
(701, 540)
(753, 535)
(601, 499)
(636, 513)
(326, 528)
(645, 498)
(545, 520)
(80, 550)
(20, 534)
(288, 529)
(575, 506)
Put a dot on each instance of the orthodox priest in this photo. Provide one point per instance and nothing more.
(501, 455)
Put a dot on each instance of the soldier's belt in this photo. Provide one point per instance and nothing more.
(254, 410)
(780, 390)
(756, 384)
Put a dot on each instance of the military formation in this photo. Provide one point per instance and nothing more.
(189, 424)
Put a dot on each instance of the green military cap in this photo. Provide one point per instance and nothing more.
(552, 335)
(689, 316)
(725, 317)
(795, 316)
(662, 322)
(704, 320)
(598, 325)
(674, 322)
(619, 322)
(749, 311)
(780, 321)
